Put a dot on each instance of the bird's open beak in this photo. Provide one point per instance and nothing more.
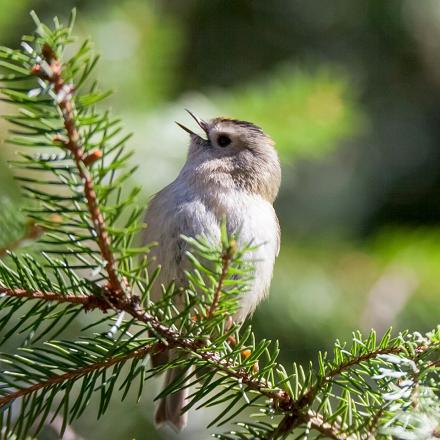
(200, 122)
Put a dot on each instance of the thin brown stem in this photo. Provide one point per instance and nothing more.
(294, 417)
(175, 339)
(80, 372)
(172, 337)
(88, 302)
(309, 395)
(63, 91)
(226, 261)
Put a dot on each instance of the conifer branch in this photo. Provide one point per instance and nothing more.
(226, 258)
(296, 415)
(76, 374)
(172, 338)
(63, 92)
(86, 301)
(200, 350)
(309, 395)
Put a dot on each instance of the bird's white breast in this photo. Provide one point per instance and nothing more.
(255, 222)
(176, 210)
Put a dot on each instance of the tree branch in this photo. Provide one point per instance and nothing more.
(226, 261)
(88, 302)
(56, 379)
(295, 416)
(310, 394)
(172, 337)
(63, 91)
(198, 349)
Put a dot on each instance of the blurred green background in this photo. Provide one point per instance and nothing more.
(350, 91)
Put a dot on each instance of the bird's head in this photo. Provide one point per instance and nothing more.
(234, 154)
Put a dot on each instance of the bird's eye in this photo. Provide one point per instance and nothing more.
(223, 140)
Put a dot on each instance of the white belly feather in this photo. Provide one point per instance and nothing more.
(174, 212)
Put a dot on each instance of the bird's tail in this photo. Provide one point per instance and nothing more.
(169, 409)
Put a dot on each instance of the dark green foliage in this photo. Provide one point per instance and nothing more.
(77, 195)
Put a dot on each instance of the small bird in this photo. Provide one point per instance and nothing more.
(234, 174)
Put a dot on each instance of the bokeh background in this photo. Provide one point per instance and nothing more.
(350, 91)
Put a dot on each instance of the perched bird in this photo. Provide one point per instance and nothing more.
(233, 173)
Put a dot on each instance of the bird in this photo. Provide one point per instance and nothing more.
(232, 173)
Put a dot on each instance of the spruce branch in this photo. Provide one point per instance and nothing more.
(52, 74)
(138, 353)
(172, 339)
(329, 375)
(296, 415)
(88, 302)
(226, 258)
(197, 348)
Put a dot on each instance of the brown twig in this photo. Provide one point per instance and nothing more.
(227, 255)
(56, 379)
(63, 92)
(295, 417)
(32, 232)
(172, 338)
(88, 302)
(309, 395)
(198, 349)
